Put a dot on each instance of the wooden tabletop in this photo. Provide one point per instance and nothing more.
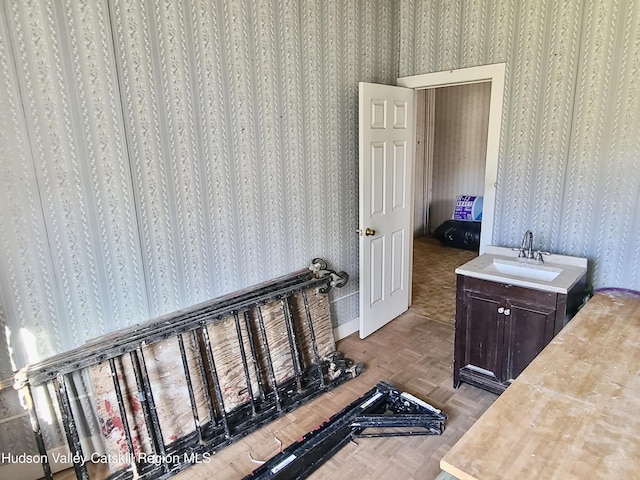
(574, 413)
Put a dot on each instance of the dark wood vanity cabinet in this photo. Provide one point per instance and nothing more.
(500, 328)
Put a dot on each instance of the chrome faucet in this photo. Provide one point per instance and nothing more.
(526, 249)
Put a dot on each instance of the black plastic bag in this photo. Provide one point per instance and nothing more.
(459, 234)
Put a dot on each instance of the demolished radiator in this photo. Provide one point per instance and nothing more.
(170, 392)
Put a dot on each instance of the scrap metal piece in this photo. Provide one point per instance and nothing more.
(383, 408)
(336, 280)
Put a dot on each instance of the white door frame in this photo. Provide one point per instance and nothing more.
(495, 74)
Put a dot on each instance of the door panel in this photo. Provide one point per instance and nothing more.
(399, 175)
(378, 169)
(484, 335)
(377, 270)
(386, 159)
(397, 261)
(528, 330)
(400, 114)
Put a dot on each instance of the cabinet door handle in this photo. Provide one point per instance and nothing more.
(500, 309)
(507, 311)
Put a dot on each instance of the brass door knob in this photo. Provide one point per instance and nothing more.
(368, 232)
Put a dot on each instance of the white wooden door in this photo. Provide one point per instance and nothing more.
(386, 159)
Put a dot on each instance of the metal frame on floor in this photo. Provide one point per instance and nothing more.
(271, 399)
(384, 411)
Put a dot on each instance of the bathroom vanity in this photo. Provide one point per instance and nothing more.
(572, 413)
(508, 309)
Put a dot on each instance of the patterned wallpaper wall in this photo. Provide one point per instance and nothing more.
(159, 153)
(569, 164)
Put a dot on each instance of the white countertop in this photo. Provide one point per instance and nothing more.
(566, 269)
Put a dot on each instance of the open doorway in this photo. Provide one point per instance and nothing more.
(451, 149)
(458, 122)
(493, 74)
(451, 145)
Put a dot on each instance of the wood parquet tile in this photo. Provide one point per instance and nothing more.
(415, 353)
(434, 285)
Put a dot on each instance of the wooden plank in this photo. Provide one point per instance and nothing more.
(574, 413)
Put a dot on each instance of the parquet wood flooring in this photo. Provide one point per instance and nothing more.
(434, 285)
(415, 353)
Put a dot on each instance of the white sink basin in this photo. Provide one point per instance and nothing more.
(534, 271)
(558, 273)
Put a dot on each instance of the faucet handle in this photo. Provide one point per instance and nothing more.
(539, 255)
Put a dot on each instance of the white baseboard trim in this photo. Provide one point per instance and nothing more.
(346, 329)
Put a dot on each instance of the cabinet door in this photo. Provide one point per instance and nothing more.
(483, 328)
(528, 329)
